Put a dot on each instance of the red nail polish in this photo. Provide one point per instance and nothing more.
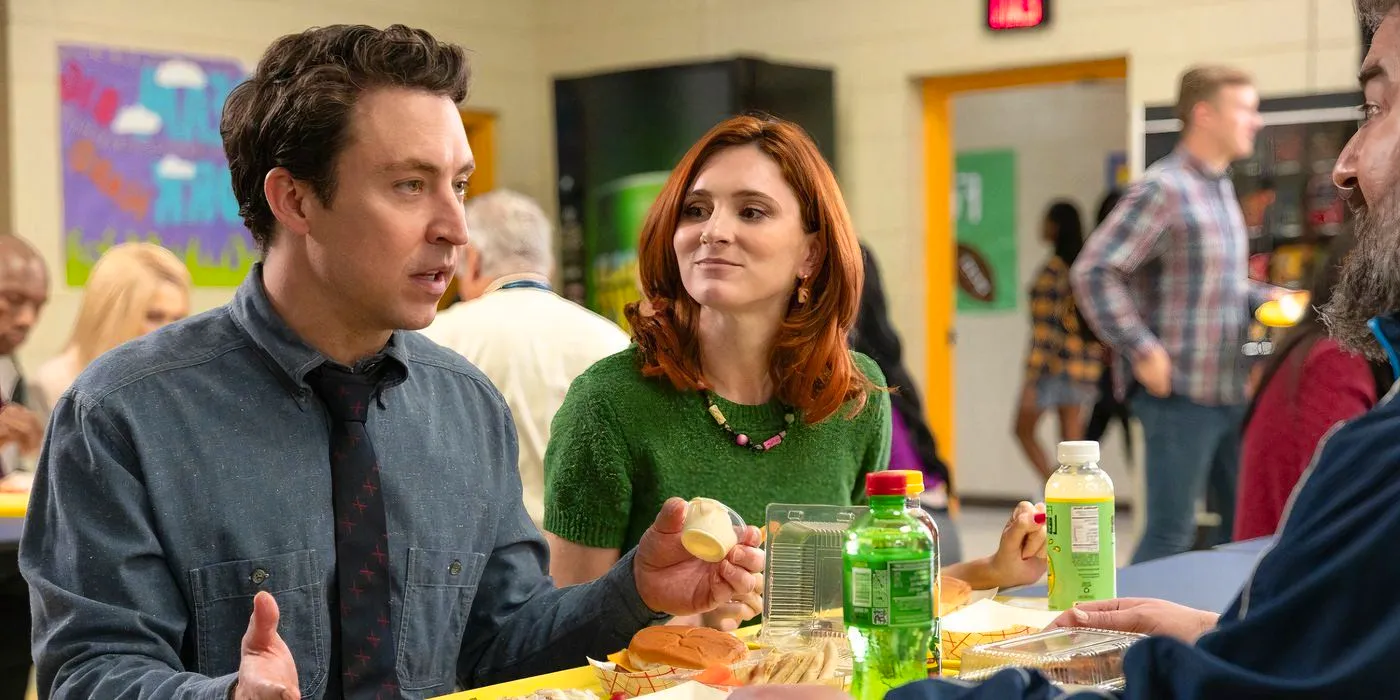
(1039, 518)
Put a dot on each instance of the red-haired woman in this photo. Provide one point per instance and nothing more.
(740, 387)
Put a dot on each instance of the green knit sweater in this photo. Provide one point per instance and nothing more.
(621, 444)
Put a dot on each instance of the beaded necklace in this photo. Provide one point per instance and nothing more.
(742, 439)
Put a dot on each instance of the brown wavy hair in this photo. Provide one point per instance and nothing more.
(811, 367)
(1372, 12)
(294, 111)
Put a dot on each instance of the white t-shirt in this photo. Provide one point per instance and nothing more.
(10, 458)
(532, 344)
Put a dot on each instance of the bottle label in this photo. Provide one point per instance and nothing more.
(897, 593)
(1082, 551)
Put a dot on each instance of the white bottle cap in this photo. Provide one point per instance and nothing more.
(1078, 452)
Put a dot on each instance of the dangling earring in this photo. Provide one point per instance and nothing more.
(803, 293)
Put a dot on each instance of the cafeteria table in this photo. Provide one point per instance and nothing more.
(1255, 545)
(1207, 579)
(12, 510)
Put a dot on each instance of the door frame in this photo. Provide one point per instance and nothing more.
(940, 236)
(481, 135)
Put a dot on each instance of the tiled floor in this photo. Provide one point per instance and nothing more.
(980, 530)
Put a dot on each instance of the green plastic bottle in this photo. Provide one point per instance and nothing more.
(914, 488)
(889, 581)
(1079, 528)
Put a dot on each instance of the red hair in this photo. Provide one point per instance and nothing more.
(811, 366)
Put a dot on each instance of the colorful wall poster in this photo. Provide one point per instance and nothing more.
(984, 203)
(142, 159)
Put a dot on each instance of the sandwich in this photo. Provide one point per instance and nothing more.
(695, 648)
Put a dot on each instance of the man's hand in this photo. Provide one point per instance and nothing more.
(267, 671)
(1153, 370)
(19, 425)
(728, 617)
(672, 581)
(1141, 615)
(17, 482)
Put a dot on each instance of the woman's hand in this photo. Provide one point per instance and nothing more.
(1019, 559)
(1141, 615)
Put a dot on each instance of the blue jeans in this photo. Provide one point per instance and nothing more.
(1190, 448)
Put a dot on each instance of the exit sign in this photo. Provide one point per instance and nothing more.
(1017, 14)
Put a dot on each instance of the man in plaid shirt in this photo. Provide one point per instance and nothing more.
(1165, 282)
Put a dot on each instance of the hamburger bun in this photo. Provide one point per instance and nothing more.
(952, 593)
(695, 648)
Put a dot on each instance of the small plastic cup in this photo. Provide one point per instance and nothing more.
(711, 529)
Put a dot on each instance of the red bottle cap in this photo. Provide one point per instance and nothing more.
(886, 484)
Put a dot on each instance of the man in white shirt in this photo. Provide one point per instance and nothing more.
(529, 341)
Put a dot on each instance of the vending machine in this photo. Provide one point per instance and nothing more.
(620, 133)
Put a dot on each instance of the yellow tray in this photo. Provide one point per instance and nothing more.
(582, 678)
(572, 679)
(13, 505)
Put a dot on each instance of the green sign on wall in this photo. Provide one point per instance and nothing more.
(984, 202)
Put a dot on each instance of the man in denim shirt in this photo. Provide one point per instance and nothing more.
(182, 540)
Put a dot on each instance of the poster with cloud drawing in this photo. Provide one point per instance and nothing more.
(142, 159)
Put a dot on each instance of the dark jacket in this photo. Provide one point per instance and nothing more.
(876, 337)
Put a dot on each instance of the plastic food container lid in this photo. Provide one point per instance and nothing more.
(1077, 656)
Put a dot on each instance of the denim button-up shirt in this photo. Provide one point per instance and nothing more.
(187, 471)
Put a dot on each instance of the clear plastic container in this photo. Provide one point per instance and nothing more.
(1070, 656)
(797, 661)
(802, 591)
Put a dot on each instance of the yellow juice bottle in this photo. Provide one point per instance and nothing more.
(1079, 524)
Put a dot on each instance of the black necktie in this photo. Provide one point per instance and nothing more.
(366, 642)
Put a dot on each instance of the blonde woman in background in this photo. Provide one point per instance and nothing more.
(134, 289)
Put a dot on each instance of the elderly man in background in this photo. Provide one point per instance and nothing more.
(528, 340)
(24, 288)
